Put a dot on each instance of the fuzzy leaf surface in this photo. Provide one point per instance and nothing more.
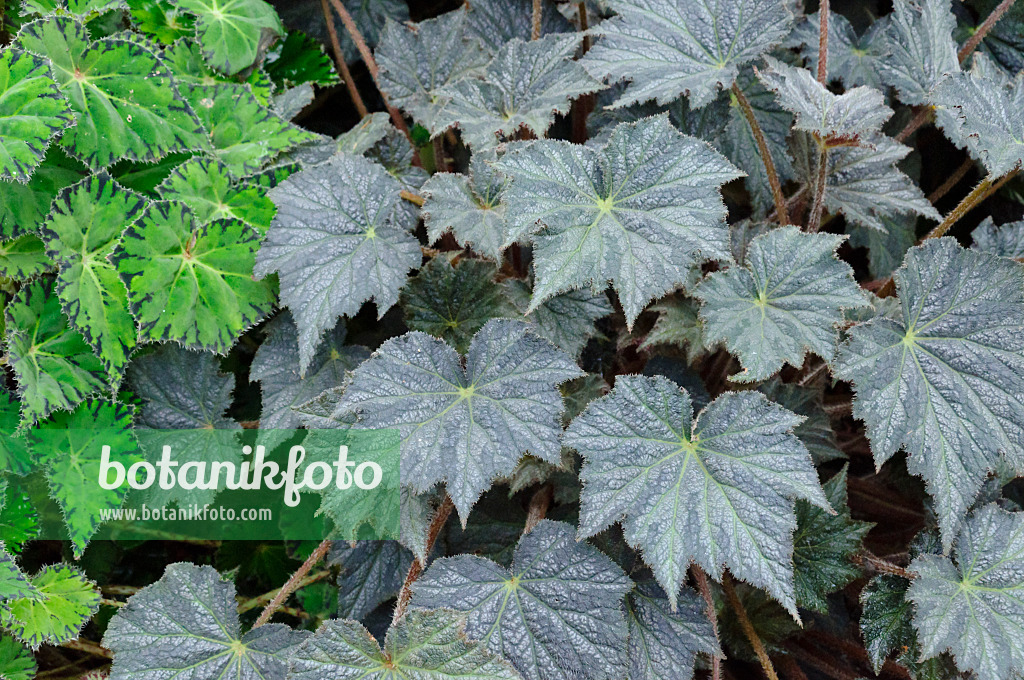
(417, 61)
(857, 111)
(525, 85)
(666, 48)
(13, 584)
(989, 118)
(428, 645)
(372, 572)
(945, 381)
(788, 299)
(920, 47)
(716, 490)
(973, 604)
(469, 206)
(187, 622)
(1006, 240)
(637, 212)
(24, 258)
(664, 641)
(555, 613)
(464, 426)
(336, 244)
(566, 320)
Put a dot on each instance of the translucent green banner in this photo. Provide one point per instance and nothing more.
(226, 484)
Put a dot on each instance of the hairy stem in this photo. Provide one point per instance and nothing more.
(820, 182)
(339, 59)
(538, 12)
(89, 647)
(262, 600)
(875, 563)
(766, 156)
(983, 30)
(952, 180)
(539, 505)
(823, 16)
(371, 65)
(416, 569)
(972, 199)
(293, 583)
(985, 188)
(748, 627)
(705, 592)
(922, 116)
(415, 199)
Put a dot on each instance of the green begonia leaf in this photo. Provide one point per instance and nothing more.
(188, 282)
(84, 227)
(63, 603)
(124, 96)
(207, 188)
(24, 258)
(231, 31)
(67, 447)
(55, 366)
(32, 111)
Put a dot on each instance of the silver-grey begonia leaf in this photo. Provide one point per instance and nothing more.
(865, 185)
(276, 368)
(786, 301)
(338, 240)
(637, 212)
(186, 625)
(566, 320)
(523, 87)
(852, 59)
(495, 22)
(423, 645)
(857, 111)
(988, 117)
(464, 426)
(417, 60)
(372, 572)
(1006, 240)
(973, 604)
(468, 205)
(555, 614)
(667, 48)
(946, 381)
(664, 640)
(717, 490)
(920, 48)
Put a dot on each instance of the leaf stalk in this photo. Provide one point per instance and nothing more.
(766, 156)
